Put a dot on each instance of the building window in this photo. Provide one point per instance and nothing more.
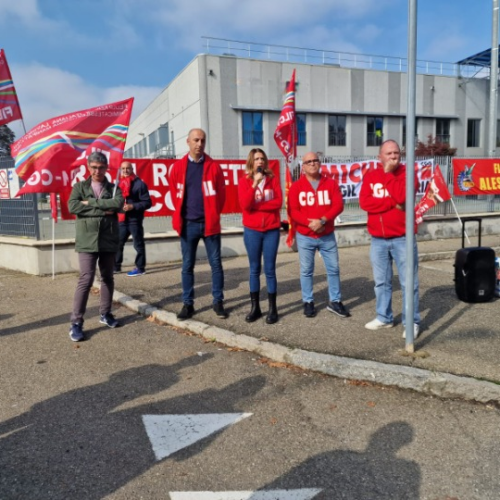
(163, 135)
(443, 130)
(142, 148)
(375, 130)
(152, 142)
(473, 127)
(252, 128)
(336, 130)
(301, 129)
(404, 132)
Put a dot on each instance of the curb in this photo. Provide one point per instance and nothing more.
(441, 384)
(445, 255)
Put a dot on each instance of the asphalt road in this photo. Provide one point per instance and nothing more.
(73, 426)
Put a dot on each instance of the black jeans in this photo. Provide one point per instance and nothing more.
(135, 229)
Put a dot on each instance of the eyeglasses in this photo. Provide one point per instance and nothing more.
(98, 168)
(311, 162)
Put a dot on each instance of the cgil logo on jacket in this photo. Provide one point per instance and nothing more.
(379, 191)
(208, 188)
(307, 198)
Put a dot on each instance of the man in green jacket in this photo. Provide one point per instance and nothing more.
(97, 240)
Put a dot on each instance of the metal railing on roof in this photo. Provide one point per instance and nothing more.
(273, 52)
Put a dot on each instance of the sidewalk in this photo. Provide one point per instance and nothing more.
(456, 338)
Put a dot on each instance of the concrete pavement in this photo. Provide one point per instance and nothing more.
(457, 351)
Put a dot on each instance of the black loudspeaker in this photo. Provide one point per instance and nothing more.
(475, 270)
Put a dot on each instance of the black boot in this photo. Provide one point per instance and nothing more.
(272, 315)
(255, 313)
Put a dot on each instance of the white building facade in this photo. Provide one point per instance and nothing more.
(342, 112)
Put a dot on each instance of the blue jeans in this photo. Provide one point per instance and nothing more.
(327, 247)
(191, 234)
(135, 229)
(258, 244)
(382, 253)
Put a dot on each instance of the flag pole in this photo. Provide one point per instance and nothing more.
(53, 248)
(460, 220)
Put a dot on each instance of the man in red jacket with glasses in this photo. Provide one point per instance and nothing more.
(315, 201)
(198, 193)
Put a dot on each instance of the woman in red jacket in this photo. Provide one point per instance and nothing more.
(261, 199)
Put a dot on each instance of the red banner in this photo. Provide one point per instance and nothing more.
(155, 174)
(476, 176)
(47, 155)
(350, 175)
(9, 105)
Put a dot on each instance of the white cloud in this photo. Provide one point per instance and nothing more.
(26, 10)
(441, 45)
(27, 14)
(46, 92)
(262, 20)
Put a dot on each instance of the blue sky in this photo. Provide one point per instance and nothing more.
(67, 55)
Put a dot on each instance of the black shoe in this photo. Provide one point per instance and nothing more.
(339, 309)
(309, 310)
(187, 312)
(117, 270)
(255, 312)
(219, 310)
(272, 315)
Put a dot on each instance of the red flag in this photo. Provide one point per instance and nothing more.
(436, 192)
(61, 204)
(53, 205)
(285, 136)
(9, 105)
(49, 154)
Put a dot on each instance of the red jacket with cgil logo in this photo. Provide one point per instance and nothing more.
(379, 195)
(304, 203)
(213, 192)
(261, 207)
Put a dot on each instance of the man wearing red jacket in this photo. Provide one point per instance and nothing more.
(383, 196)
(314, 202)
(198, 193)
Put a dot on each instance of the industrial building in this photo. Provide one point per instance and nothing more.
(346, 104)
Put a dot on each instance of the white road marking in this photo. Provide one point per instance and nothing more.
(171, 433)
(302, 494)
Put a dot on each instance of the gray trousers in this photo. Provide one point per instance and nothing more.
(88, 263)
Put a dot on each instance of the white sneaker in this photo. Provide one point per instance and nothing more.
(376, 324)
(416, 331)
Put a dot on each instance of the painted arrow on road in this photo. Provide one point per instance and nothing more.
(303, 494)
(171, 433)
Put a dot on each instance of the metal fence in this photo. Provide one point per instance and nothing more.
(30, 217)
(291, 54)
(18, 216)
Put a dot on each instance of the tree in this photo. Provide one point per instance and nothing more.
(6, 139)
(434, 147)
